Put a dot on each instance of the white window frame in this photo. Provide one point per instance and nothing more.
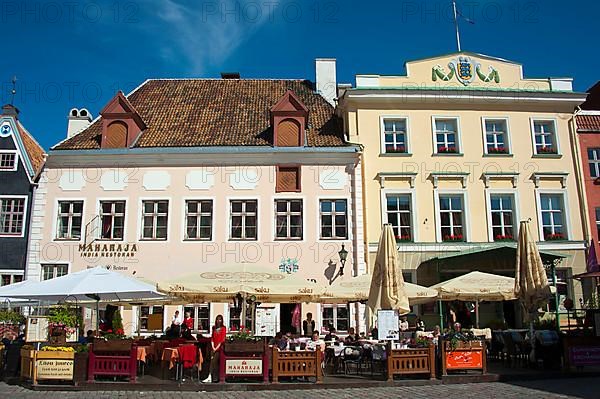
(507, 140)
(532, 122)
(382, 120)
(413, 205)
(597, 212)
(16, 164)
(566, 216)
(198, 215)
(335, 308)
(288, 214)
(595, 161)
(99, 213)
(230, 219)
(70, 227)
(12, 274)
(154, 215)
(466, 218)
(319, 221)
(25, 213)
(458, 141)
(515, 196)
(207, 305)
(151, 311)
(54, 271)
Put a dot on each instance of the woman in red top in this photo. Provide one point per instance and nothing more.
(219, 332)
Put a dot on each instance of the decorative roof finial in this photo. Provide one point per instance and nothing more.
(13, 91)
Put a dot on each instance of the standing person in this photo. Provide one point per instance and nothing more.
(403, 324)
(219, 332)
(308, 325)
(176, 325)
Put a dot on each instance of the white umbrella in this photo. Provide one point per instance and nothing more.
(98, 283)
(387, 286)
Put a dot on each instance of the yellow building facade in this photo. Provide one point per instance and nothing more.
(456, 152)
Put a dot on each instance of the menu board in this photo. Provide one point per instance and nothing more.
(266, 322)
(37, 329)
(387, 325)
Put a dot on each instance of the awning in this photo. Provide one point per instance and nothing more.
(477, 286)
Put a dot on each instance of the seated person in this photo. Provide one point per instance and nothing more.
(315, 342)
(331, 335)
(403, 324)
(351, 337)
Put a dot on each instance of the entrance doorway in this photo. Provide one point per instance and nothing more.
(286, 312)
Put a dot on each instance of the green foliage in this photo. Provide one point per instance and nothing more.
(117, 323)
(62, 315)
(454, 337)
(244, 335)
(11, 317)
(592, 302)
(547, 322)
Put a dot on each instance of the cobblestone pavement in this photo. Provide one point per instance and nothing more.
(557, 388)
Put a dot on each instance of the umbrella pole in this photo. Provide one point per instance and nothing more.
(477, 313)
(97, 318)
(441, 311)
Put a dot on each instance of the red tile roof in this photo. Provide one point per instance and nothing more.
(217, 112)
(588, 123)
(35, 152)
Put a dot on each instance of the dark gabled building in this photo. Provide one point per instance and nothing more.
(21, 160)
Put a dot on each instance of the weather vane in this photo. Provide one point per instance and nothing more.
(13, 91)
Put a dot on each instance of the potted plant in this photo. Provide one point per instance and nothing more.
(403, 238)
(547, 150)
(497, 150)
(504, 237)
(395, 149)
(453, 237)
(243, 341)
(462, 350)
(62, 321)
(447, 150)
(11, 317)
(554, 237)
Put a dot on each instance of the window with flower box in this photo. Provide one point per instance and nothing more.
(395, 136)
(446, 136)
(544, 133)
(452, 217)
(399, 215)
(552, 211)
(502, 217)
(496, 136)
(235, 315)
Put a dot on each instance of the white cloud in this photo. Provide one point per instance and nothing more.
(205, 33)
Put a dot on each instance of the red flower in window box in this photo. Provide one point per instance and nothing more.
(403, 238)
(395, 149)
(505, 237)
(547, 150)
(554, 237)
(498, 150)
(447, 150)
(453, 237)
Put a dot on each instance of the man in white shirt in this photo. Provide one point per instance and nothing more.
(403, 324)
(176, 324)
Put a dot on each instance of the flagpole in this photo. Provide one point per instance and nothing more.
(456, 25)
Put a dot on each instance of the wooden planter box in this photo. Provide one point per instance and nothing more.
(581, 351)
(297, 364)
(244, 347)
(468, 355)
(115, 345)
(411, 361)
(47, 365)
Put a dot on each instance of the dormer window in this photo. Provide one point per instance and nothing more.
(121, 123)
(288, 119)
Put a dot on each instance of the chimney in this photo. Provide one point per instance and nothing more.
(78, 120)
(230, 75)
(10, 110)
(326, 79)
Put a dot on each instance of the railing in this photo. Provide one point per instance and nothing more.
(113, 364)
(297, 364)
(411, 361)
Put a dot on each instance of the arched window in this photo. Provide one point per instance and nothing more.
(116, 135)
(288, 133)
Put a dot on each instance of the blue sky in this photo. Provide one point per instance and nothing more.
(77, 54)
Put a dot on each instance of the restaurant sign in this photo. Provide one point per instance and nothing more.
(97, 250)
(584, 356)
(55, 369)
(464, 360)
(243, 367)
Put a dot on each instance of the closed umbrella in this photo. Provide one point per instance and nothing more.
(387, 285)
(531, 283)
